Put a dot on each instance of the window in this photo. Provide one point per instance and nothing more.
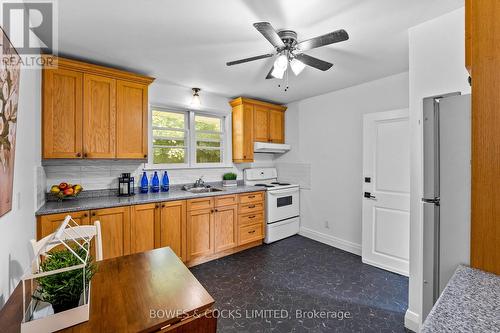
(187, 138)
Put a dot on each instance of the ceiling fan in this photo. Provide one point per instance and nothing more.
(290, 51)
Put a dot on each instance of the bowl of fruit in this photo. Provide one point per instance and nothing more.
(65, 191)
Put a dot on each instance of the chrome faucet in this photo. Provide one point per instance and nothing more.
(199, 182)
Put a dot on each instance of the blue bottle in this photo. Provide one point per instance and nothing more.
(165, 182)
(144, 183)
(155, 183)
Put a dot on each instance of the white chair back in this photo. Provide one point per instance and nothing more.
(71, 234)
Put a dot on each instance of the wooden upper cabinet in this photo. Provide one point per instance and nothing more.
(255, 121)
(261, 123)
(62, 113)
(99, 116)
(115, 230)
(172, 231)
(276, 126)
(93, 112)
(131, 120)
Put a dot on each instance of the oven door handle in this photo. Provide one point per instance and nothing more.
(278, 192)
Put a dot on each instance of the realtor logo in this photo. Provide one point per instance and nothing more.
(30, 26)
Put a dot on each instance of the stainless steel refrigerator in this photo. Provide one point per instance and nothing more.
(446, 201)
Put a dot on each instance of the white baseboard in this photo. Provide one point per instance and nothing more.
(412, 321)
(331, 240)
(385, 267)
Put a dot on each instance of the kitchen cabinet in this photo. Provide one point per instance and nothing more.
(93, 112)
(62, 91)
(251, 220)
(115, 230)
(484, 49)
(225, 228)
(255, 121)
(172, 231)
(144, 220)
(200, 232)
(48, 224)
(99, 116)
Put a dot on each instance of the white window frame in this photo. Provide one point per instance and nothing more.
(190, 140)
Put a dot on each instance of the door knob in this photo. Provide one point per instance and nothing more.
(368, 195)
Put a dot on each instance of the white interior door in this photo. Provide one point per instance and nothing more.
(386, 190)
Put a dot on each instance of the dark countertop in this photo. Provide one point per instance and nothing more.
(175, 193)
(469, 303)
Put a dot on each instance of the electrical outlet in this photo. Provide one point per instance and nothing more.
(327, 225)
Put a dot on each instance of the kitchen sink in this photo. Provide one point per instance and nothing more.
(203, 189)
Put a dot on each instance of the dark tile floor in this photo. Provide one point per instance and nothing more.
(297, 276)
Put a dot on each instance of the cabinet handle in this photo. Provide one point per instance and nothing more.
(216, 210)
(251, 217)
(145, 156)
(94, 214)
(85, 155)
(157, 206)
(252, 206)
(162, 205)
(251, 232)
(78, 154)
(85, 215)
(251, 196)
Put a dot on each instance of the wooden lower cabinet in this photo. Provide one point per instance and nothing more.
(172, 227)
(200, 231)
(115, 230)
(48, 224)
(143, 227)
(225, 228)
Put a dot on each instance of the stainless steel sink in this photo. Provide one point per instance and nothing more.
(202, 189)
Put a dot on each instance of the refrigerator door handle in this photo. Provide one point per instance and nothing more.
(436, 201)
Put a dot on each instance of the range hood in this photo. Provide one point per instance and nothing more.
(276, 148)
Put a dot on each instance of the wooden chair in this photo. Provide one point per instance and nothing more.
(70, 233)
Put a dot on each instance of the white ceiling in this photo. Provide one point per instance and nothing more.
(188, 42)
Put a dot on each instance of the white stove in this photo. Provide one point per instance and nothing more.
(282, 203)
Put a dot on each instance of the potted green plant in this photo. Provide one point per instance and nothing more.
(63, 290)
(229, 179)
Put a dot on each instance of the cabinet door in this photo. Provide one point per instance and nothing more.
(200, 233)
(62, 113)
(243, 133)
(226, 228)
(115, 230)
(144, 221)
(173, 227)
(131, 120)
(276, 126)
(99, 116)
(48, 224)
(261, 124)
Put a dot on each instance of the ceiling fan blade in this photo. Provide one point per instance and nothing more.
(241, 61)
(269, 76)
(313, 62)
(267, 30)
(330, 38)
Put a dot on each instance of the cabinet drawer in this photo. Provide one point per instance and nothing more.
(202, 203)
(252, 208)
(226, 200)
(251, 197)
(251, 218)
(250, 233)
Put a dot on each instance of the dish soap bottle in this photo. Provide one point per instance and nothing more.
(165, 183)
(144, 183)
(155, 184)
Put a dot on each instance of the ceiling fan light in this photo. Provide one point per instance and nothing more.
(278, 73)
(297, 66)
(281, 63)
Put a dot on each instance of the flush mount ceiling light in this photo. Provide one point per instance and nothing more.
(289, 50)
(196, 101)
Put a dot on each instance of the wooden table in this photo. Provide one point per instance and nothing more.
(127, 290)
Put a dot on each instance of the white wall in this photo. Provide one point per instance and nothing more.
(326, 135)
(437, 66)
(18, 226)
